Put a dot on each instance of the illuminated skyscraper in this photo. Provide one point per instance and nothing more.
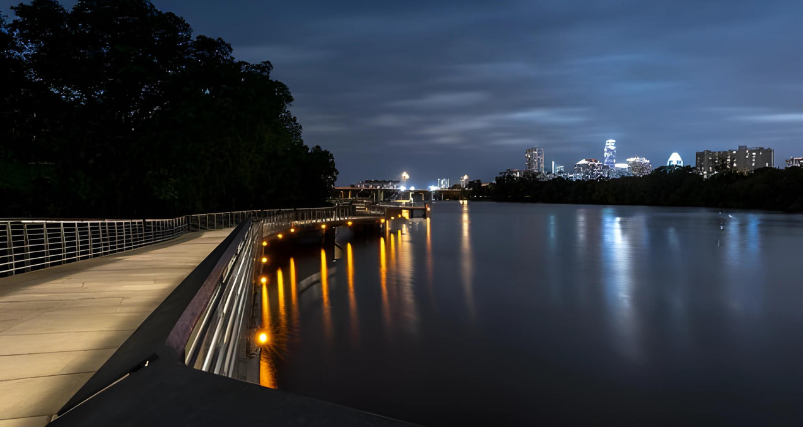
(610, 153)
(535, 159)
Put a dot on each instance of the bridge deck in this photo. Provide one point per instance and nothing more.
(59, 325)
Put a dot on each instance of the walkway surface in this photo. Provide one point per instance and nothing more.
(59, 325)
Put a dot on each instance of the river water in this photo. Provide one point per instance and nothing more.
(530, 314)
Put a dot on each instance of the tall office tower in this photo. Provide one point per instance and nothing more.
(610, 153)
(535, 159)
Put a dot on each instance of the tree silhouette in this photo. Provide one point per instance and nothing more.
(117, 110)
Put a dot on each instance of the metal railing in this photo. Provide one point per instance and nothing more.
(213, 343)
(201, 325)
(33, 244)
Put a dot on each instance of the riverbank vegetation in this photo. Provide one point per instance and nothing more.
(771, 189)
(114, 109)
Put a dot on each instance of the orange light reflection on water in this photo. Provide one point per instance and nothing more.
(352, 299)
(327, 311)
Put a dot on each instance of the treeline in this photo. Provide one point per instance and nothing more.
(114, 109)
(771, 189)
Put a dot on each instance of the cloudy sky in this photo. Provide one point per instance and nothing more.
(445, 88)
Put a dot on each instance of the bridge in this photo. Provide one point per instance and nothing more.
(142, 322)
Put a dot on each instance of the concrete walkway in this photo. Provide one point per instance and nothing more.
(59, 325)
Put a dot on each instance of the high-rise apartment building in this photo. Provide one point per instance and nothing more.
(743, 159)
(610, 153)
(535, 159)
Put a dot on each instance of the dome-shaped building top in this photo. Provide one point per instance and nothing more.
(674, 160)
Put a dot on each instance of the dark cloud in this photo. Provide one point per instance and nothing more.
(441, 89)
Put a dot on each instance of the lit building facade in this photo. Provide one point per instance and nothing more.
(534, 159)
(743, 159)
(610, 153)
(464, 181)
(639, 166)
(588, 169)
(674, 160)
(443, 182)
(794, 162)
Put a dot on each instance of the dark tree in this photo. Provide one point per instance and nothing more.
(116, 110)
(767, 188)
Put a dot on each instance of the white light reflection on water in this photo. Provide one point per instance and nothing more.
(404, 285)
(617, 255)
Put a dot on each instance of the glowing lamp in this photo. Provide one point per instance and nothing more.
(323, 225)
(280, 236)
(292, 230)
(262, 338)
(264, 243)
(263, 280)
(349, 222)
(264, 259)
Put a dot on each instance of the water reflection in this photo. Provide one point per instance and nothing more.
(467, 262)
(282, 312)
(617, 277)
(294, 293)
(595, 306)
(430, 263)
(326, 308)
(405, 296)
(267, 370)
(352, 298)
(383, 282)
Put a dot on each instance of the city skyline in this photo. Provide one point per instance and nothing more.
(454, 88)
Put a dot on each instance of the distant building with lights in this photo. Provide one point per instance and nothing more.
(610, 153)
(587, 169)
(674, 160)
(515, 173)
(464, 181)
(534, 159)
(443, 182)
(794, 162)
(639, 166)
(378, 183)
(743, 159)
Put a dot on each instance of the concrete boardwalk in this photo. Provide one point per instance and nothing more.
(59, 325)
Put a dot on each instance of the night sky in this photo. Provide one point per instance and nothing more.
(441, 89)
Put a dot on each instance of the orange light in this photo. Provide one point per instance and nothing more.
(323, 225)
(262, 338)
(382, 220)
(280, 236)
(292, 230)
(349, 222)
(264, 243)
(263, 280)
(264, 259)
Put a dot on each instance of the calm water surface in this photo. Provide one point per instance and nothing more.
(525, 314)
